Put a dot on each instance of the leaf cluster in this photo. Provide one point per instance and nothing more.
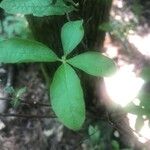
(36, 7)
(66, 94)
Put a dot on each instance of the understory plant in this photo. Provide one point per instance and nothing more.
(66, 94)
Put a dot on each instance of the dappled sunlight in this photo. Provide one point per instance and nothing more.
(144, 134)
(123, 86)
(111, 50)
(141, 43)
(118, 3)
(132, 120)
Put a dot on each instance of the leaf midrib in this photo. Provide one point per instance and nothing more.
(68, 92)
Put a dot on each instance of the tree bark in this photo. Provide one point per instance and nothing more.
(93, 12)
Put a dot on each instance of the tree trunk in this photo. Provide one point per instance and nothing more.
(93, 12)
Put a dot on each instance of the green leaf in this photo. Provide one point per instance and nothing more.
(145, 73)
(9, 90)
(107, 26)
(71, 35)
(137, 8)
(36, 7)
(115, 145)
(20, 92)
(15, 102)
(17, 95)
(145, 100)
(17, 50)
(93, 63)
(133, 109)
(94, 134)
(139, 123)
(67, 97)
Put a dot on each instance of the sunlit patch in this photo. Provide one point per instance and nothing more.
(2, 103)
(112, 51)
(117, 17)
(132, 120)
(141, 43)
(124, 86)
(144, 134)
(2, 125)
(136, 101)
(118, 3)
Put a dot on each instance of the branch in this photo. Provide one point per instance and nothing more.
(26, 116)
(34, 103)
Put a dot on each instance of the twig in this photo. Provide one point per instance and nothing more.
(26, 116)
(45, 74)
(68, 17)
(124, 128)
(36, 104)
(26, 103)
